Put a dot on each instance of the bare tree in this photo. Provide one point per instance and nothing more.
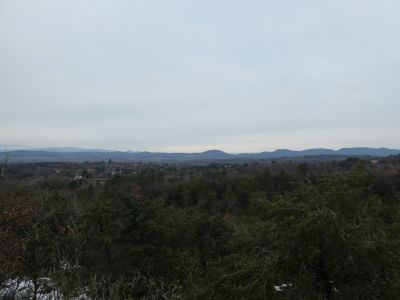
(5, 162)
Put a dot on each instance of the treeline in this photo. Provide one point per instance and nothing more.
(245, 231)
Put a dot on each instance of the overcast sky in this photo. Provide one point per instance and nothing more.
(239, 76)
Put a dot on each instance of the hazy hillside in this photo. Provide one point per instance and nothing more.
(74, 155)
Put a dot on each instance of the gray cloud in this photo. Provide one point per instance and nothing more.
(192, 75)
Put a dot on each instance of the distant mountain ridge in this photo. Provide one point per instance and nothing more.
(67, 149)
(72, 154)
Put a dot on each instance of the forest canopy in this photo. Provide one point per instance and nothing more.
(105, 230)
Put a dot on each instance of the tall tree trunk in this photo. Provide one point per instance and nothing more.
(326, 280)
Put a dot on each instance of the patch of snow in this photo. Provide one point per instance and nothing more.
(281, 287)
(24, 289)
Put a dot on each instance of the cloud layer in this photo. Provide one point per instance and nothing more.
(194, 75)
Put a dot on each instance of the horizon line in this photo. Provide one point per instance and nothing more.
(100, 149)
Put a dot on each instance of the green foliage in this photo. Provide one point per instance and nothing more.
(250, 231)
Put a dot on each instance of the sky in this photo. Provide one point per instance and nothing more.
(193, 75)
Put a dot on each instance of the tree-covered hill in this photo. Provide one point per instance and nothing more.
(105, 230)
